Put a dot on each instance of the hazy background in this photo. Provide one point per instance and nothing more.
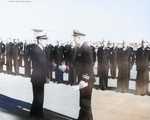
(111, 20)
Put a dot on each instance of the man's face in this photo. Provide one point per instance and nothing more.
(124, 45)
(143, 44)
(77, 40)
(43, 42)
(114, 45)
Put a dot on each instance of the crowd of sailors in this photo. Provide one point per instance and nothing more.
(111, 56)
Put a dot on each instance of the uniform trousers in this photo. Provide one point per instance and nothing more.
(59, 75)
(9, 64)
(123, 77)
(72, 76)
(85, 112)
(142, 82)
(113, 70)
(1, 64)
(16, 64)
(38, 99)
(103, 76)
(27, 68)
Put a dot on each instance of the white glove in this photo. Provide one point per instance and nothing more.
(76, 87)
(62, 67)
(82, 84)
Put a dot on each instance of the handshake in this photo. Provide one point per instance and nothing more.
(64, 68)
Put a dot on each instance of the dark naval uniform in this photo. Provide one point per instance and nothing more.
(20, 53)
(38, 79)
(15, 57)
(103, 57)
(2, 53)
(84, 59)
(58, 57)
(67, 53)
(94, 54)
(123, 66)
(113, 61)
(27, 62)
(49, 50)
(72, 66)
(9, 56)
(142, 65)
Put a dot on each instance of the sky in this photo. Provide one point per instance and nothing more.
(109, 20)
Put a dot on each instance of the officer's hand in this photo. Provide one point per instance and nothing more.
(82, 84)
(67, 69)
(62, 67)
(54, 66)
(130, 67)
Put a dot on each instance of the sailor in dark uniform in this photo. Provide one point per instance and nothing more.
(113, 60)
(27, 62)
(73, 67)
(2, 53)
(9, 56)
(124, 66)
(40, 64)
(58, 58)
(142, 67)
(15, 57)
(103, 60)
(49, 49)
(86, 75)
(20, 52)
